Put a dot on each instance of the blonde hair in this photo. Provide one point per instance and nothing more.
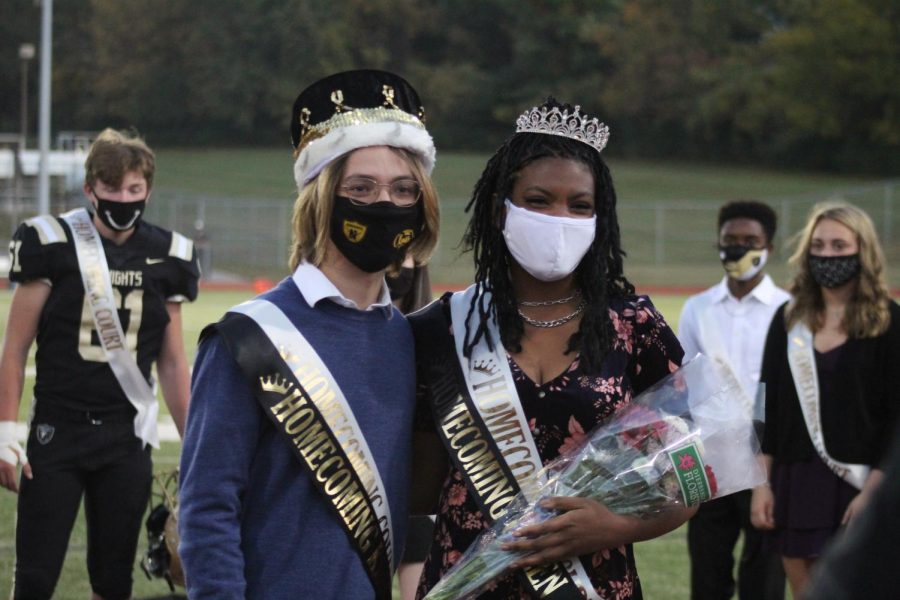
(115, 153)
(868, 313)
(311, 222)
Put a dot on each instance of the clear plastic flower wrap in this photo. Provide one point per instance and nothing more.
(683, 441)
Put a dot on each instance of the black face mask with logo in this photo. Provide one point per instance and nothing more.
(373, 236)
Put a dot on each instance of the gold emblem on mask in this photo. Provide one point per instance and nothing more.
(738, 268)
(354, 231)
(403, 238)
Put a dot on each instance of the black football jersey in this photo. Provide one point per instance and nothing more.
(152, 267)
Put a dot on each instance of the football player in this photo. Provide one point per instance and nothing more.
(100, 289)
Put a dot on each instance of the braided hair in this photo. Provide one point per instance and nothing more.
(599, 275)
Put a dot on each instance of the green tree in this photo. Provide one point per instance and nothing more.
(796, 82)
(819, 88)
(669, 61)
(18, 25)
(833, 76)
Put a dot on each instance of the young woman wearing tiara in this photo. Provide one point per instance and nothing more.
(552, 325)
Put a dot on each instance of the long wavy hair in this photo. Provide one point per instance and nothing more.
(599, 275)
(868, 314)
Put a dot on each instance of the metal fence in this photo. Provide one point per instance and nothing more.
(674, 242)
(239, 237)
(668, 242)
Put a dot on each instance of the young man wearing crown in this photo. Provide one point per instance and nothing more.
(550, 341)
(295, 466)
(729, 322)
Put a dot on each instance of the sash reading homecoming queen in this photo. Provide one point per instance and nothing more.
(481, 422)
(300, 397)
(98, 291)
(803, 368)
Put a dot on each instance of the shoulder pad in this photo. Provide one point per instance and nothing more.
(181, 247)
(48, 229)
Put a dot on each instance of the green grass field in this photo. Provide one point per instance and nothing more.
(267, 173)
(667, 211)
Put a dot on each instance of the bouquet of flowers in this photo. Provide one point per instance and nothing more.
(683, 441)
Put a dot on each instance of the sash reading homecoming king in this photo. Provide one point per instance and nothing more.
(303, 401)
(98, 291)
(803, 368)
(481, 422)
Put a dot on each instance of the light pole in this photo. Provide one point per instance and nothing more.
(26, 53)
(43, 204)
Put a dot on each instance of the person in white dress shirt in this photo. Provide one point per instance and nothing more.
(729, 322)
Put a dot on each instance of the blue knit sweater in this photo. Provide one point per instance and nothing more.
(251, 523)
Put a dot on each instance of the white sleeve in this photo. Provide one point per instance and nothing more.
(689, 330)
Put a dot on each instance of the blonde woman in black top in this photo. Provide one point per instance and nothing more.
(832, 388)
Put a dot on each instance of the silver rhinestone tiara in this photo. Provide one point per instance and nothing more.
(574, 125)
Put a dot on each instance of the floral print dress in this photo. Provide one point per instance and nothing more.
(559, 413)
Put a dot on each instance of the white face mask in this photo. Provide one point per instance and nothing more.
(548, 247)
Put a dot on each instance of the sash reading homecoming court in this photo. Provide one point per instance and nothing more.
(98, 291)
(308, 409)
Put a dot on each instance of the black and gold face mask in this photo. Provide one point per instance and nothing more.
(372, 236)
(742, 262)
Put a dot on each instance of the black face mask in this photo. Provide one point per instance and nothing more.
(400, 284)
(120, 216)
(833, 271)
(374, 235)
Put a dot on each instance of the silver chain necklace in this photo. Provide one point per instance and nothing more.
(566, 300)
(553, 322)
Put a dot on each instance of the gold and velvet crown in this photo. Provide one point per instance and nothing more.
(352, 110)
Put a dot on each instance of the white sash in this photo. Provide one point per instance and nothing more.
(493, 391)
(803, 368)
(98, 289)
(714, 347)
(303, 360)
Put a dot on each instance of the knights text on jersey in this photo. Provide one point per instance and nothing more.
(152, 267)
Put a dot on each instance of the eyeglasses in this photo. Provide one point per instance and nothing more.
(363, 190)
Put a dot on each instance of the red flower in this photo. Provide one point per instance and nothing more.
(686, 461)
(638, 437)
(713, 485)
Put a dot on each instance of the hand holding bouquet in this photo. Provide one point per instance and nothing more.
(681, 442)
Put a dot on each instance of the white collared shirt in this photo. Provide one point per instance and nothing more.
(315, 287)
(721, 326)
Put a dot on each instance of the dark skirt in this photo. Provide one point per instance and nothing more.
(810, 501)
(418, 539)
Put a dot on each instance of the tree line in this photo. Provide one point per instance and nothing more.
(795, 83)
